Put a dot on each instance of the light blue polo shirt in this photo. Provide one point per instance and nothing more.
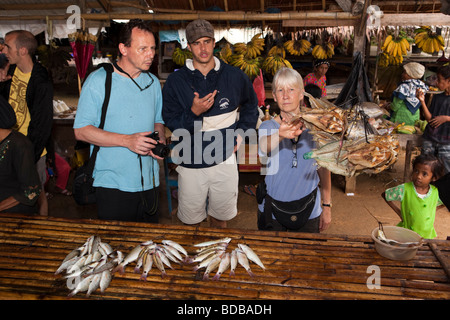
(130, 110)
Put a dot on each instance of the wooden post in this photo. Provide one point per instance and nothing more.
(350, 185)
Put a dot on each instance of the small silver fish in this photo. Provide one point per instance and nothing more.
(174, 252)
(212, 242)
(212, 266)
(176, 246)
(72, 254)
(204, 263)
(105, 280)
(132, 256)
(224, 264)
(163, 257)
(233, 262)
(77, 265)
(82, 286)
(95, 284)
(158, 263)
(105, 249)
(243, 261)
(67, 264)
(147, 266)
(251, 255)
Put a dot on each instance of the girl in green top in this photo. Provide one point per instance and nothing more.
(418, 198)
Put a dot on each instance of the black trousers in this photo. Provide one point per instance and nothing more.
(113, 204)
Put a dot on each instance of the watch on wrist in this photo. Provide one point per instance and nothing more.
(327, 205)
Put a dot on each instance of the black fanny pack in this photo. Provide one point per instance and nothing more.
(291, 214)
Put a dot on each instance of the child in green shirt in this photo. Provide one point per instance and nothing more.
(419, 199)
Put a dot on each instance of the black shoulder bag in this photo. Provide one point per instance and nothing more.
(83, 189)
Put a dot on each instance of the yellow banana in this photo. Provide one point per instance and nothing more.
(386, 42)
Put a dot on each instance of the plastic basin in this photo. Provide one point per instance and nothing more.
(399, 234)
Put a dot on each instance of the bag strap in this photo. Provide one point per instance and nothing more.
(109, 71)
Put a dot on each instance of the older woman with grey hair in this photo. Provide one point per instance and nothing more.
(289, 199)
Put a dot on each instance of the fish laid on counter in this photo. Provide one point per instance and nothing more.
(149, 254)
(89, 267)
(213, 255)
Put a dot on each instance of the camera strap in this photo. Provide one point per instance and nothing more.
(109, 70)
(154, 208)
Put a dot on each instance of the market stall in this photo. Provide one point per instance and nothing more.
(298, 266)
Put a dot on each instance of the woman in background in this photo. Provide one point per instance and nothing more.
(318, 76)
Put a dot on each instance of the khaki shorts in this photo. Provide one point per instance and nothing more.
(208, 191)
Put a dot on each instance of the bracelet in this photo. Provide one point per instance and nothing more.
(327, 205)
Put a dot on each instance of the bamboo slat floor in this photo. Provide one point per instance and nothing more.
(298, 265)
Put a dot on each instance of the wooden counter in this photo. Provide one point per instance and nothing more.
(299, 266)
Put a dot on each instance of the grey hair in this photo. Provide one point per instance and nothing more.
(287, 77)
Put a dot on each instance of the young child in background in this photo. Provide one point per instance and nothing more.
(405, 105)
(436, 138)
(419, 198)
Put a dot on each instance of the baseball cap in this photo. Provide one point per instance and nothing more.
(198, 29)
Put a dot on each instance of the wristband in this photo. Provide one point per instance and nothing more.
(327, 205)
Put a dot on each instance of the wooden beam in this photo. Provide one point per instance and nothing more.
(261, 2)
(320, 23)
(208, 15)
(413, 19)
(225, 3)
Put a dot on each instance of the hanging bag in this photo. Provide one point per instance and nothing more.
(83, 189)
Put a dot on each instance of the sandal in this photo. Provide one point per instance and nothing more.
(250, 189)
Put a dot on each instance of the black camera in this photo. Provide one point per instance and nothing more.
(160, 149)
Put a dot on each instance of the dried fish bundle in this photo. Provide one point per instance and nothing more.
(331, 121)
(90, 266)
(365, 155)
(212, 255)
(149, 254)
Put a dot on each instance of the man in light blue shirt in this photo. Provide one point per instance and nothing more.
(126, 173)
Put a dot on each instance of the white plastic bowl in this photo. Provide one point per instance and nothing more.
(401, 235)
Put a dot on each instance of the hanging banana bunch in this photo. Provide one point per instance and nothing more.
(250, 66)
(226, 53)
(251, 49)
(247, 56)
(429, 41)
(180, 56)
(325, 51)
(275, 62)
(277, 49)
(297, 47)
(388, 60)
(395, 46)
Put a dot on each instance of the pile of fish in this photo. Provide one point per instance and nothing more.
(149, 253)
(93, 265)
(90, 266)
(348, 158)
(212, 255)
(350, 142)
